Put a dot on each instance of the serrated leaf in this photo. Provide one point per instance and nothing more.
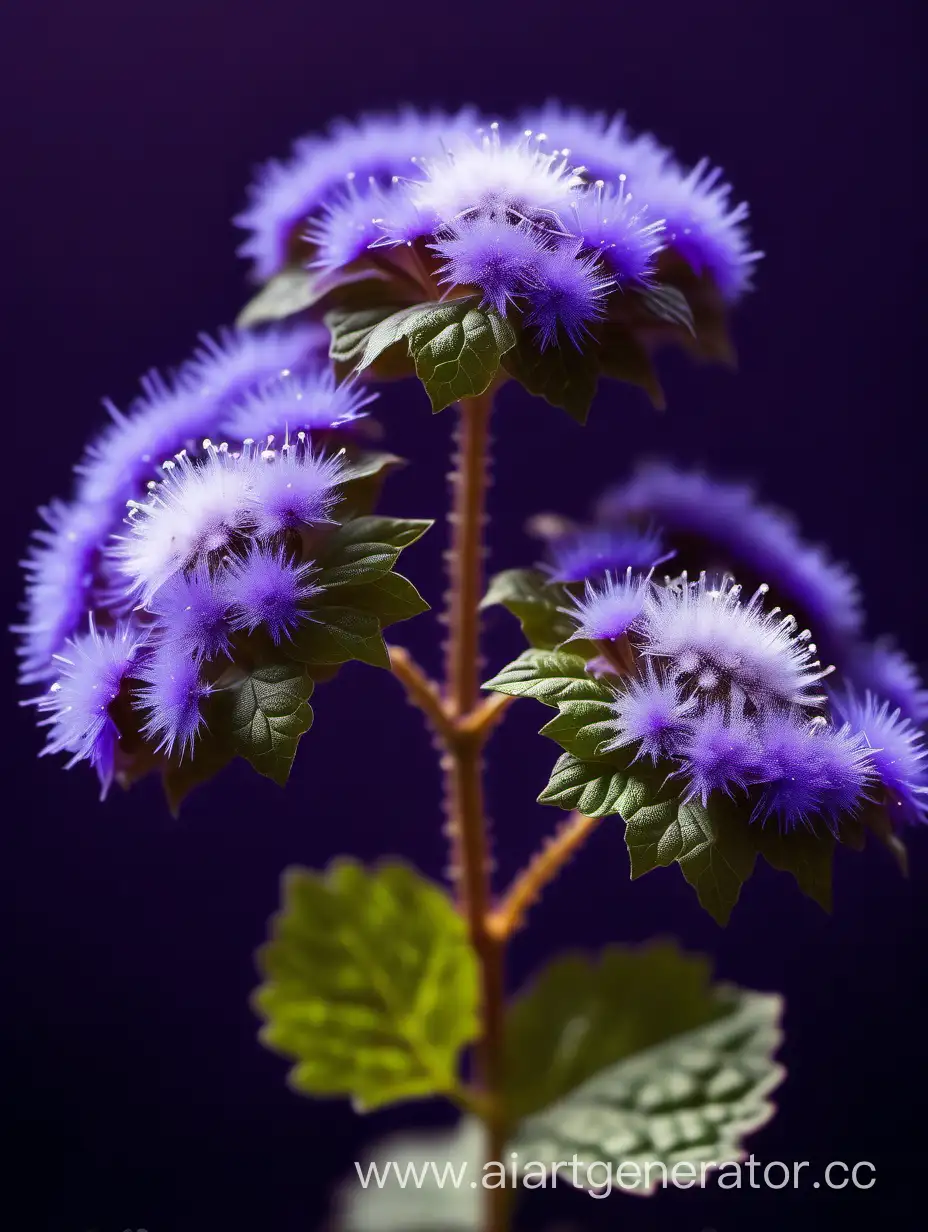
(269, 713)
(551, 677)
(358, 564)
(807, 854)
(594, 788)
(583, 1014)
(351, 329)
(687, 1101)
(398, 533)
(457, 349)
(667, 303)
(583, 727)
(370, 984)
(391, 598)
(535, 602)
(565, 376)
(338, 635)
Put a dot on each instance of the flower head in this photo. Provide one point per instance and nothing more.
(582, 555)
(650, 712)
(490, 253)
(312, 402)
(703, 633)
(171, 696)
(346, 226)
(266, 588)
(622, 232)
(191, 613)
(897, 749)
(609, 610)
(603, 145)
(292, 487)
(717, 751)
(566, 291)
(883, 669)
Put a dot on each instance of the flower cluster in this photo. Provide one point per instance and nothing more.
(726, 693)
(550, 217)
(172, 550)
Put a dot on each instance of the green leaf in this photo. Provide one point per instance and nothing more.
(358, 564)
(549, 676)
(370, 984)
(623, 358)
(535, 602)
(286, 293)
(686, 1101)
(457, 349)
(337, 635)
(362, 483)
(391, 598)
(594, 788)
(270, 711)
(807, 854)
(668, 304)
(583, 727)
(397, 533)
(565, 376)
(351, 329)
(584, 1014)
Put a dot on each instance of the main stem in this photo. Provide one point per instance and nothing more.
(463, 765)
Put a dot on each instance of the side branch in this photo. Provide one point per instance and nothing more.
(542, 869)
(421, 691)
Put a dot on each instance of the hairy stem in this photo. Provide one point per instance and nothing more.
(540, 872)
(463, 766)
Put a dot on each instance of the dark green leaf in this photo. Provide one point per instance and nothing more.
(351, 329)
(397, 533)
(457, 349)
(363, 482)
(668, 304)
(390, 598)
(807, 854)
(370, 985)
(358, 564)
(269, 713)
(594, 788)
(535, 602)
(687, 1101)
(584, 1014)
(583, 727)
(286, 293)
(624, 358)
(549, 676)
(565, 376)
(337, 635)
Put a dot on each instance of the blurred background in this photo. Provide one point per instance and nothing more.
(139, 1096)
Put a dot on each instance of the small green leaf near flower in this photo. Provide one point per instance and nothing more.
(270, 711)
(338, 635)
(457, 350)
(370, 984)
(536, 602)
(549, 676)
(565, 376)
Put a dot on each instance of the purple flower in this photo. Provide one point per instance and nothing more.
(240, 362)
(718, 751)
(882, 669)
(809, 770)
(266, 588)
(378, 146)
(586, 554)
(609, 610)
(346, 226)
(650, 713)
(313, 402)
(294, 488)
(171, 697)
(490, 253)
(754, 537)
(566, 291)
(603, 145)
(704, 634)
(92, 669)
(897, 748)
(622, 233)
(191, 611)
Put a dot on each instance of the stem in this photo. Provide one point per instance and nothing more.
(540, 872)
(463, 766)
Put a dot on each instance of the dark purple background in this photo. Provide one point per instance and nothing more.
(140, 1097)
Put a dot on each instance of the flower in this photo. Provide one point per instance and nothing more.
(717, 751)
(706, 635)
(650, 713)
(266, 587)
(191, 613)
(603, 145)
(884, 670)
(810, 769)
(578, 555)
(294, 487)
(311, 402)
(346, 226)
(567, 291)
(284, 195)
(239, 362)
(171, 696)
(488, 252)
(754, 537)
(604, 218)
(897, 748)
(79, 704)
(608, 610)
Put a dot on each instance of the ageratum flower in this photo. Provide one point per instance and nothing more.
(650, 713)
(717, 751)
(897, 748)
(609, 610)
(586, 554)
(170, 699)
(267, 587)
